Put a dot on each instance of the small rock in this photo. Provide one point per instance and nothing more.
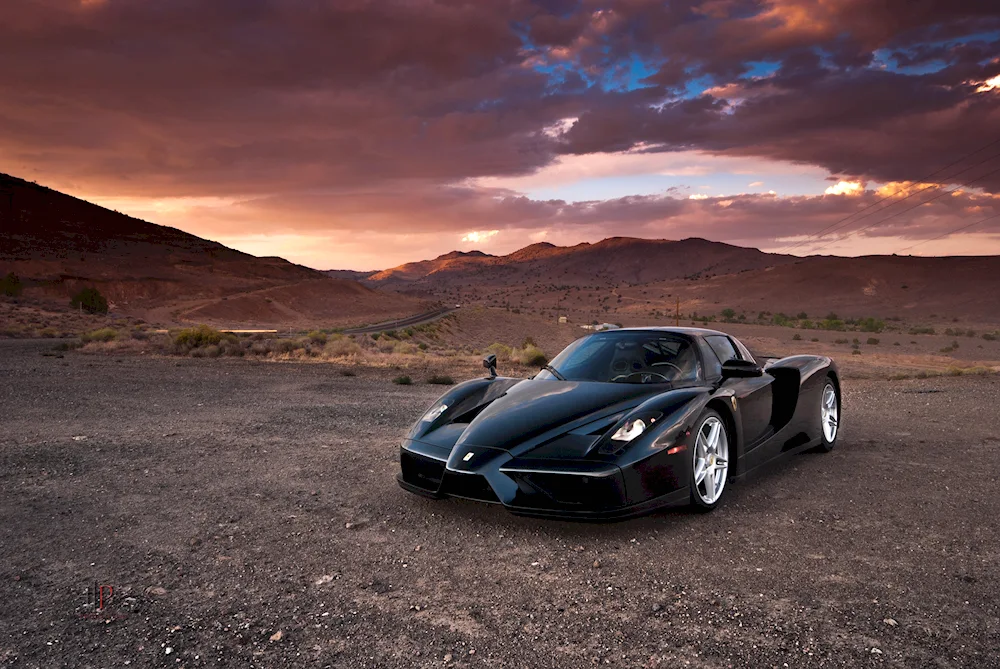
(447, 657)
(890, 622)
(657, 607)
(876, 651)
(597, 564)
(276, 636)
(348, 525)
(155, 591)
(80, 438)
(169, 650)
(472, 651)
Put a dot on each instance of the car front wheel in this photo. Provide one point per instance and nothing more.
(710, 464)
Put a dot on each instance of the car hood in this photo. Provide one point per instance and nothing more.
(533, 408)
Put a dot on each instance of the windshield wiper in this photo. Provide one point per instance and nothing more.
(554, 372)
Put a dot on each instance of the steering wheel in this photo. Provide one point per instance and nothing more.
(680, 372)
(626, 377)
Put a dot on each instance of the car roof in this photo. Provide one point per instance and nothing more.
(696, 332)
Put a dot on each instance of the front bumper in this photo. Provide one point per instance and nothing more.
(564, 488)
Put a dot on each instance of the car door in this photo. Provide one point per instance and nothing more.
(754, 396)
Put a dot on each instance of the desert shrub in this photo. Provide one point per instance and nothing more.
(404, 348)
(895, 343)
(990, 336)
(11, 285)
(90, 300)
(233, 347)
(832, 316)
(375, 337)
(101, 335)
(341, 347)
(855, 341)
(796, 337)
(970, 333)
(855, 352)
(728, 314)
(872, 341)
(286, 346)
(839, 341)
(422, 346)
(403, 380)
(528, 341)
(317, 337)
(532, 356)
(501, 351)
(210, 351)
(806, 324)
(831, 324)
(391, 334)
(441, 380)
(200, 335)
(348, 372)
(871, 325)
(814, 339)
(802, 315)
(921, 330)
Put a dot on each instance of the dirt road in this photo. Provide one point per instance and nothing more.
(247, 515)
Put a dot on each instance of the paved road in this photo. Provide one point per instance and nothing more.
(409, 321)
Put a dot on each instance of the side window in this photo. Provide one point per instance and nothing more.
(723, 348)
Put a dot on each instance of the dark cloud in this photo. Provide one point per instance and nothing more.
(330, 114)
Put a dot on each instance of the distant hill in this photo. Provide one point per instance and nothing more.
(635, 279)
(611, 261)
(57, 244)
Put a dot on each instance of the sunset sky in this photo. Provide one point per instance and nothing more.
(361, 135)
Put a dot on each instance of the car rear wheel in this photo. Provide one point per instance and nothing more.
(710, 461)
(829, 416)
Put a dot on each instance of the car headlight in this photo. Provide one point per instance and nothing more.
(434, 413)
(629, 430)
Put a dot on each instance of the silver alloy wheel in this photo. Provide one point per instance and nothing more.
(711, 460)
(830, 413)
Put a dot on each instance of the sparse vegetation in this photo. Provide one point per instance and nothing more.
(200, 335)
(796, 337)
(90, 300)
(403, 380)
(11, 286)
(922, 330)
(441, 380)
(101, 335)
(317, 337)
(990, 336)
(872, 341)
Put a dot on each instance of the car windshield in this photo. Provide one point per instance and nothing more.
(626, 357)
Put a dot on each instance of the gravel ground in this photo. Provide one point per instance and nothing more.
(247, 515)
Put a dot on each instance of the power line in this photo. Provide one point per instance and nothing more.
(819, 233)
(903, 211)
(950, 232)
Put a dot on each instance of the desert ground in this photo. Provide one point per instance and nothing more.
(246, 514)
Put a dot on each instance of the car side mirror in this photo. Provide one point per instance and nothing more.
(740, 369)
(490, 363)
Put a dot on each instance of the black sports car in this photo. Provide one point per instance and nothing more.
(620, 423)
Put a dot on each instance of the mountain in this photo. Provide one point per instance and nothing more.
(612, 261)
(628, 279)
(57, 244)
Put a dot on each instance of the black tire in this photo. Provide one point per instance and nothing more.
(826, 444)
(698, 502)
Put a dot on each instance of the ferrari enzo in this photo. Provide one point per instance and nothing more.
(622, 422)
